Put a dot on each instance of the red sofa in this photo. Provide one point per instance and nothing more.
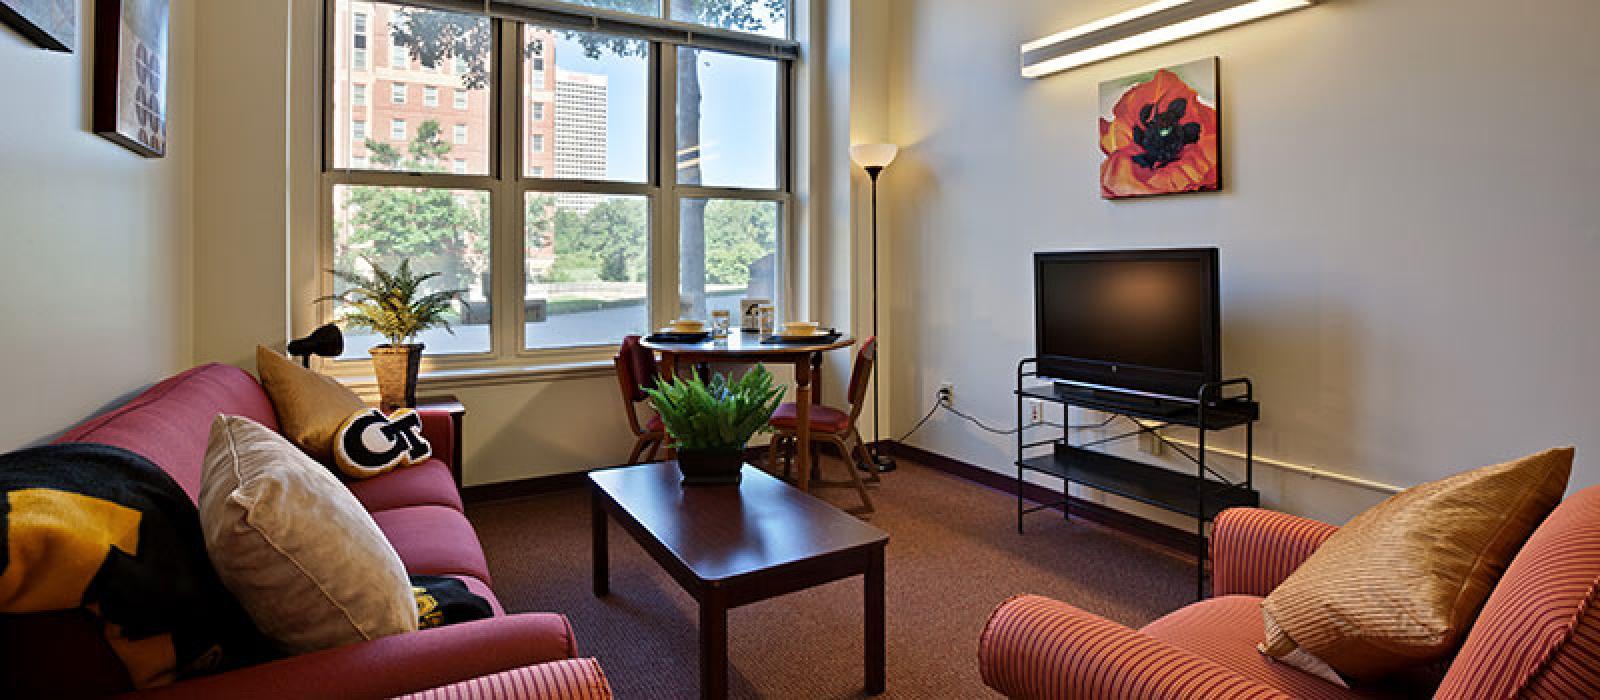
(418, 508)
(1538, 635)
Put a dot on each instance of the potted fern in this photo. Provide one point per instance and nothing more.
(711, 422)
(394, 306)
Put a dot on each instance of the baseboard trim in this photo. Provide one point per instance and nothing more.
(1164, 535)
(1186, 543)
(540, 485)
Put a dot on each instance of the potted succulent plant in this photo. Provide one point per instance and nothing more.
(394, 306)
(711, 422)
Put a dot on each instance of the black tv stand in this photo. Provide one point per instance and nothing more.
(1200, 495)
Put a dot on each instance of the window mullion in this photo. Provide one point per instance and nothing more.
(506, 232)
(665, 303)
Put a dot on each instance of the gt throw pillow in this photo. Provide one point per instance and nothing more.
(369, 444)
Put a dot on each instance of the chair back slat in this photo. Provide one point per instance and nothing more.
(636, 368)
(861, 375)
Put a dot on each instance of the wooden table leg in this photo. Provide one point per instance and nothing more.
(802, 428)
(599, 532)
(873, 640)
(713, 648)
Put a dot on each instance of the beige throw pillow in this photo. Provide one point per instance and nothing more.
(287, 538)
(310, 406)
(1399, 585)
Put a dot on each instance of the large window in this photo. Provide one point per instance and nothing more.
(608, 180)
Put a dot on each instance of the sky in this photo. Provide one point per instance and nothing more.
(738, 114)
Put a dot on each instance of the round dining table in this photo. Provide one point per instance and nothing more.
(804, 355)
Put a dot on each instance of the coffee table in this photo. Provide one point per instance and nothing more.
(729, 546)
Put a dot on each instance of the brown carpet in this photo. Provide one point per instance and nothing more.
(953, 556)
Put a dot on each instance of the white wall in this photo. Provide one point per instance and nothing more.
(95, 279)
(1410, 228)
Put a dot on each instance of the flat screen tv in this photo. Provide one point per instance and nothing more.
(1142, 320)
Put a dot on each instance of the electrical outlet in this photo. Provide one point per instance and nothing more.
(1152, 445)
(947, 393)
(1035, 411)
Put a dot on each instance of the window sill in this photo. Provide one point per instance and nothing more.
(451, 379)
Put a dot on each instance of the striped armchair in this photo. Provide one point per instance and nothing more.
(1538, 636)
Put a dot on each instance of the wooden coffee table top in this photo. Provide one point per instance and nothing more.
(721, 533)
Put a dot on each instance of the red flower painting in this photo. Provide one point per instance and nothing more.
(1160, 133)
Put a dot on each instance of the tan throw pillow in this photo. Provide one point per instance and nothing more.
(291, 543)
(1399, 585)
(310, 406)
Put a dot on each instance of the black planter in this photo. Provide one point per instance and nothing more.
(711, 467)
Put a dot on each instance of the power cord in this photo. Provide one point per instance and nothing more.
(942, 400)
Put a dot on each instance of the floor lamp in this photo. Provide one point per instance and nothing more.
(873, 158)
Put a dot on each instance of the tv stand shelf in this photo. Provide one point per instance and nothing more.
(1200, 494)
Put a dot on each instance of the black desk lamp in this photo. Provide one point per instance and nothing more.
(326, 341)
(873, 158)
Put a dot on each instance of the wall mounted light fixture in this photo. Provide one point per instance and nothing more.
(1157, 23)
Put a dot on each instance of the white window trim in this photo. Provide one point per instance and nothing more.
(509, 358)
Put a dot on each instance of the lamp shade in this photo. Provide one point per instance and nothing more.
(874, 155)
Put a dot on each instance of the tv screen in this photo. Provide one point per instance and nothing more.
(1140, 319)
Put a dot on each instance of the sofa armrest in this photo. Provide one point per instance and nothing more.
(1035, 647)
(573, 679)
(1254, 550)
(390, 666)
(439, 428)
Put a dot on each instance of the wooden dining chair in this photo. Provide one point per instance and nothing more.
(636, 370)
(835, 427)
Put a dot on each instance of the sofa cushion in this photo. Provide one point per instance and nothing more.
(434, 540)
(168, 424)
(295, 547)
(426, 484)
(1539, 633)
(1226, 630)
(1399, 585)
(311, 406)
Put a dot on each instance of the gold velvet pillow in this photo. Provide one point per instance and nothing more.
(310, 406)
(294, 547)
(1399, 585)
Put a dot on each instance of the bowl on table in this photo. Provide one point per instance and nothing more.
(687, 325)
(802, 329)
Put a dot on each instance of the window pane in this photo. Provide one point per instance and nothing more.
(588, 268)
(764, 17)
(596, 88)
(417, 50)
(728, 250)
(443, 231)
(727, 120)
(638, 7)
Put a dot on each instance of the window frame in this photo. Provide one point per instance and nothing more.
(508, 183)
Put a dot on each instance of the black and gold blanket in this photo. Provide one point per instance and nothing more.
(101, 528)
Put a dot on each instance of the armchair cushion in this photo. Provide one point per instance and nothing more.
(1254, 550)
(1034, 647)
(1226, 630)
(573, 679)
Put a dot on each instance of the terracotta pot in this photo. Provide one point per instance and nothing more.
(396, 367)
(711, 467)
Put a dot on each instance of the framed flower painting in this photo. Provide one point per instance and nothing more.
(1159, 132)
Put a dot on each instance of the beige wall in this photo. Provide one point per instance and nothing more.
(95, 279)
(1409, 229)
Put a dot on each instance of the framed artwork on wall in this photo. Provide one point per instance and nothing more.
(52, 24)
(130, 74)
(1159, 132)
